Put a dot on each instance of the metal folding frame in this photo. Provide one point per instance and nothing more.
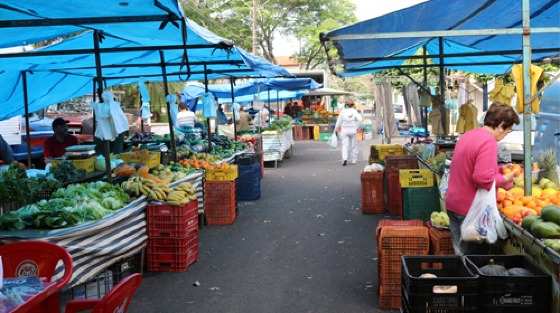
(99, 81)
(525, 31)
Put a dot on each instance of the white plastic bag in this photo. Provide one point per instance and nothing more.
(483, 221)
(334, 140)
(443, 184)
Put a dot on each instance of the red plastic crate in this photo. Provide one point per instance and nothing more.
(220, 202)
(394, 193)
(390, 297)
(386, 222)
(400, 162)
(161, 227)
(172, 262)
(167, 210)
(372, 193)
(173, 245)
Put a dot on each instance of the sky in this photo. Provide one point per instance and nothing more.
(365, 9)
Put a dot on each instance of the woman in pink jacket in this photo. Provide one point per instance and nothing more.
(474, 166)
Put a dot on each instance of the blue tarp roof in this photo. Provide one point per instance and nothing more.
(60, 9)
(280, 95)
(53, 79)
(223, 91)
(450, 15)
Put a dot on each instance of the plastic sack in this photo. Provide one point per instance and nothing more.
(375, 167)
(483, 221)
(334, 141)
(443, 184)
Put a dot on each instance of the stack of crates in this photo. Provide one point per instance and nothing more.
(172, 237)
(393, 243)
(393, 164)
(379, 152)
(420, 195)
(220, 202)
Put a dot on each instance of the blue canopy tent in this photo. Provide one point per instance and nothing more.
(107, 45)
(481, 36)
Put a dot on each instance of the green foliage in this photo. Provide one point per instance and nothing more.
(231, 19)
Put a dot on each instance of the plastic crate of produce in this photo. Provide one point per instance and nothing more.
(401, 162)
(416, 178)
(166, 210)
(394, 193)
(419, 203)
(228, 174)
(149, 158)
(441, 242)
(220, 202)
(378, 152)
(172, 262)
(247, 159)
(389, 297)
(163, 227)
(88, 164)
(372, 192)
(453, 289)
(249, 182)
(531, 293)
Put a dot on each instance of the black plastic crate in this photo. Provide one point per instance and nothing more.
(512, 294)
(454, 290)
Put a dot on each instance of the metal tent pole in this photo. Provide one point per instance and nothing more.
(233, 110)
(269, 122)
(209, 130)
(442, 87)
(171, 126)
(99, 79)
(277, 104)
(94, 100)
(485, 96)
(526, 11)
(425, 83)
(26, 107)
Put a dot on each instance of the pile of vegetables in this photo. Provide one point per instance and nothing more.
(439, 219)
(281, 124)
(173, 171)
(65, 171)
(494, 269)
(18, 189)
(75, 204)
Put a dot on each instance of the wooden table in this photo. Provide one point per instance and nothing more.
(24, 294)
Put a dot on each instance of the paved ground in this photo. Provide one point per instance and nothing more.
(304, 247)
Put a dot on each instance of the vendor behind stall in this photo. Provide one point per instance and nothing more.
(55, 146)
(243, 120)
(185, 118)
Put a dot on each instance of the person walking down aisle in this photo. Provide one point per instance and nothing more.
(347, 125)
(475, 166)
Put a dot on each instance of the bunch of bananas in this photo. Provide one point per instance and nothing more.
(137, 186)
(182, 194)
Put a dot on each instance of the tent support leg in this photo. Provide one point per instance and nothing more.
(442, 88)
(173, 143)
(485, 96)
(99, 79)
(269, 122)
(277, 104)
(209, 130)
(527, 142)
(26, 107)
(425, 83)
(232, 102)
(94, 100)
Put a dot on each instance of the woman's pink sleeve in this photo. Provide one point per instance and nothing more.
(486, 166)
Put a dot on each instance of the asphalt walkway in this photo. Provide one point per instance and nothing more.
(304, 247)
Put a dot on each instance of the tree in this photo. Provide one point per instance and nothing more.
(324, 15)
(232, 19)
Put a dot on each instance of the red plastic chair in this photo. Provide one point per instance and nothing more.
(116, 301)
(38, 258)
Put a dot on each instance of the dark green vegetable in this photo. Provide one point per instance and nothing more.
(493, 270)
(65, 171)
(529, 220)
(519, 271)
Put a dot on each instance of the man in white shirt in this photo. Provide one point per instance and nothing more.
(347, 125)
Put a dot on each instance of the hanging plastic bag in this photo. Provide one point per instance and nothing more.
(443, 183)
(334, 141)
(483, 221)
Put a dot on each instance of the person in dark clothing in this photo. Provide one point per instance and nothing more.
(55, 146)
(6, 153)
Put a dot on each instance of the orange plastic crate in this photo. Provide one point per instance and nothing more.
(390, 297)
(372, 193)
(441, 242)
(220, 202)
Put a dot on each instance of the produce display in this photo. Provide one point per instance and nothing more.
(493, 269)
(138, 186)
(18, 189)
(281, 124)
(437, 162)
(205, 165)
(65, 171)
(75, 204)
(439, 219)
(173, 171)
